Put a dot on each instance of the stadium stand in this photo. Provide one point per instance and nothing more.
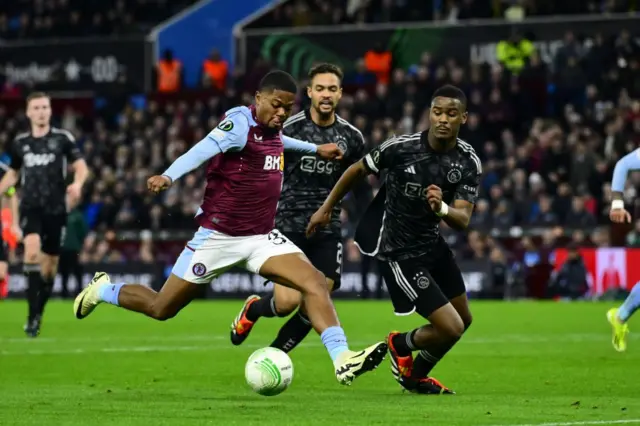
(302, 13)
(547, 156)
(31, 19)
(548, 134)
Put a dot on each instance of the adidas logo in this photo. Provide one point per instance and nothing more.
(410, 170)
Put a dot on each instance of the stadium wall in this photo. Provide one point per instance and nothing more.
(208, 24)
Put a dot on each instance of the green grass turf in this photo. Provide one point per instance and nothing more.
(520, 363)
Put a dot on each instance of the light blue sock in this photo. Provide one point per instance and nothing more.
(631, 304)
(335, 341)
(109, 293)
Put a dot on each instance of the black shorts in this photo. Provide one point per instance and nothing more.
(423, 284)
(50, 227)
(323, 250)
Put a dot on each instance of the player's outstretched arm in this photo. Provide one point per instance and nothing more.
(230, 135)
(349, 179)
(328, 151)
(631, 161)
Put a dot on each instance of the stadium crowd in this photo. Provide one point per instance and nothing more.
(37, 19)
(548, 135)
(303, 13)
(548, 139)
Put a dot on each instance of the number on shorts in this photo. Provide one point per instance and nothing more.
(277, 238)
(339, 258)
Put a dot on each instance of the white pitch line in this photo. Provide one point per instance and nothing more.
(147, 344)
(514, 338)
(588, 422)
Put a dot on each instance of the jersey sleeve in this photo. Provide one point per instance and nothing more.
(15, 156)
(467, 189)
(357, 149)
(71, 150)
(380, 158)
(626, 164)
(231, 133)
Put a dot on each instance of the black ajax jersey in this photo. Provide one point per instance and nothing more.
(399, 224)
(308, 179)
(42, 164)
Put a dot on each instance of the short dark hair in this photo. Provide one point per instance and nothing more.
(37, 95)
(450, 91)
(326, 68)
(278, 80)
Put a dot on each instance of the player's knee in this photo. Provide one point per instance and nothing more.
(31, 254)
(162, 313)
(315, 283)
(453, 329)
(286, 306)
(467, 320)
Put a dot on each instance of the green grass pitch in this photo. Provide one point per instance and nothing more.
(521, 363)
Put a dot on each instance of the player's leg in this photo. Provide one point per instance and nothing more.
(618, 318)
(4, 270)
(176, 293)
(281, 303)
(64, 269)
(298, 326)
(31, 224)
(278, 259)
(325, 253)
(196, 265)
(52, 234)
(448, 273)
(413, 289)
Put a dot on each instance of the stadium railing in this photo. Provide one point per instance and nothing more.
(473, 41)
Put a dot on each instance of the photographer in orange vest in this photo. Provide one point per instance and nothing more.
(169, 74)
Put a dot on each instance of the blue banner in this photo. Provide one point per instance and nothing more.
(207, 26)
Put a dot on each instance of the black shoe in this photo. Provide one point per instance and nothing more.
(33, 328)
(430, 386)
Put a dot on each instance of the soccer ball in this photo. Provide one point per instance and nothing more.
(269, 371)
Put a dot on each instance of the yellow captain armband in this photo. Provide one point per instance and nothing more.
(11, 192)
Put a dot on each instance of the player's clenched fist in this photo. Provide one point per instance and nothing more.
(330, 151)
(157, 184)
(619, 216)
(434, 197)
(319, 219)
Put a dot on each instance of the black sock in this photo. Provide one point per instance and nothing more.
(265, 307)
(34, 285)
(423, 364)
(45, 294)
(292, 332)
(403, 343)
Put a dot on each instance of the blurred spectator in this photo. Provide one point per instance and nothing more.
(169, 73)
(633, 237)
(215, 71)
(514, 52)
(571, 281)
(70, 266)
(378, 62)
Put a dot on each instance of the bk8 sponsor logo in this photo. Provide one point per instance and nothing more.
(274, 162)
